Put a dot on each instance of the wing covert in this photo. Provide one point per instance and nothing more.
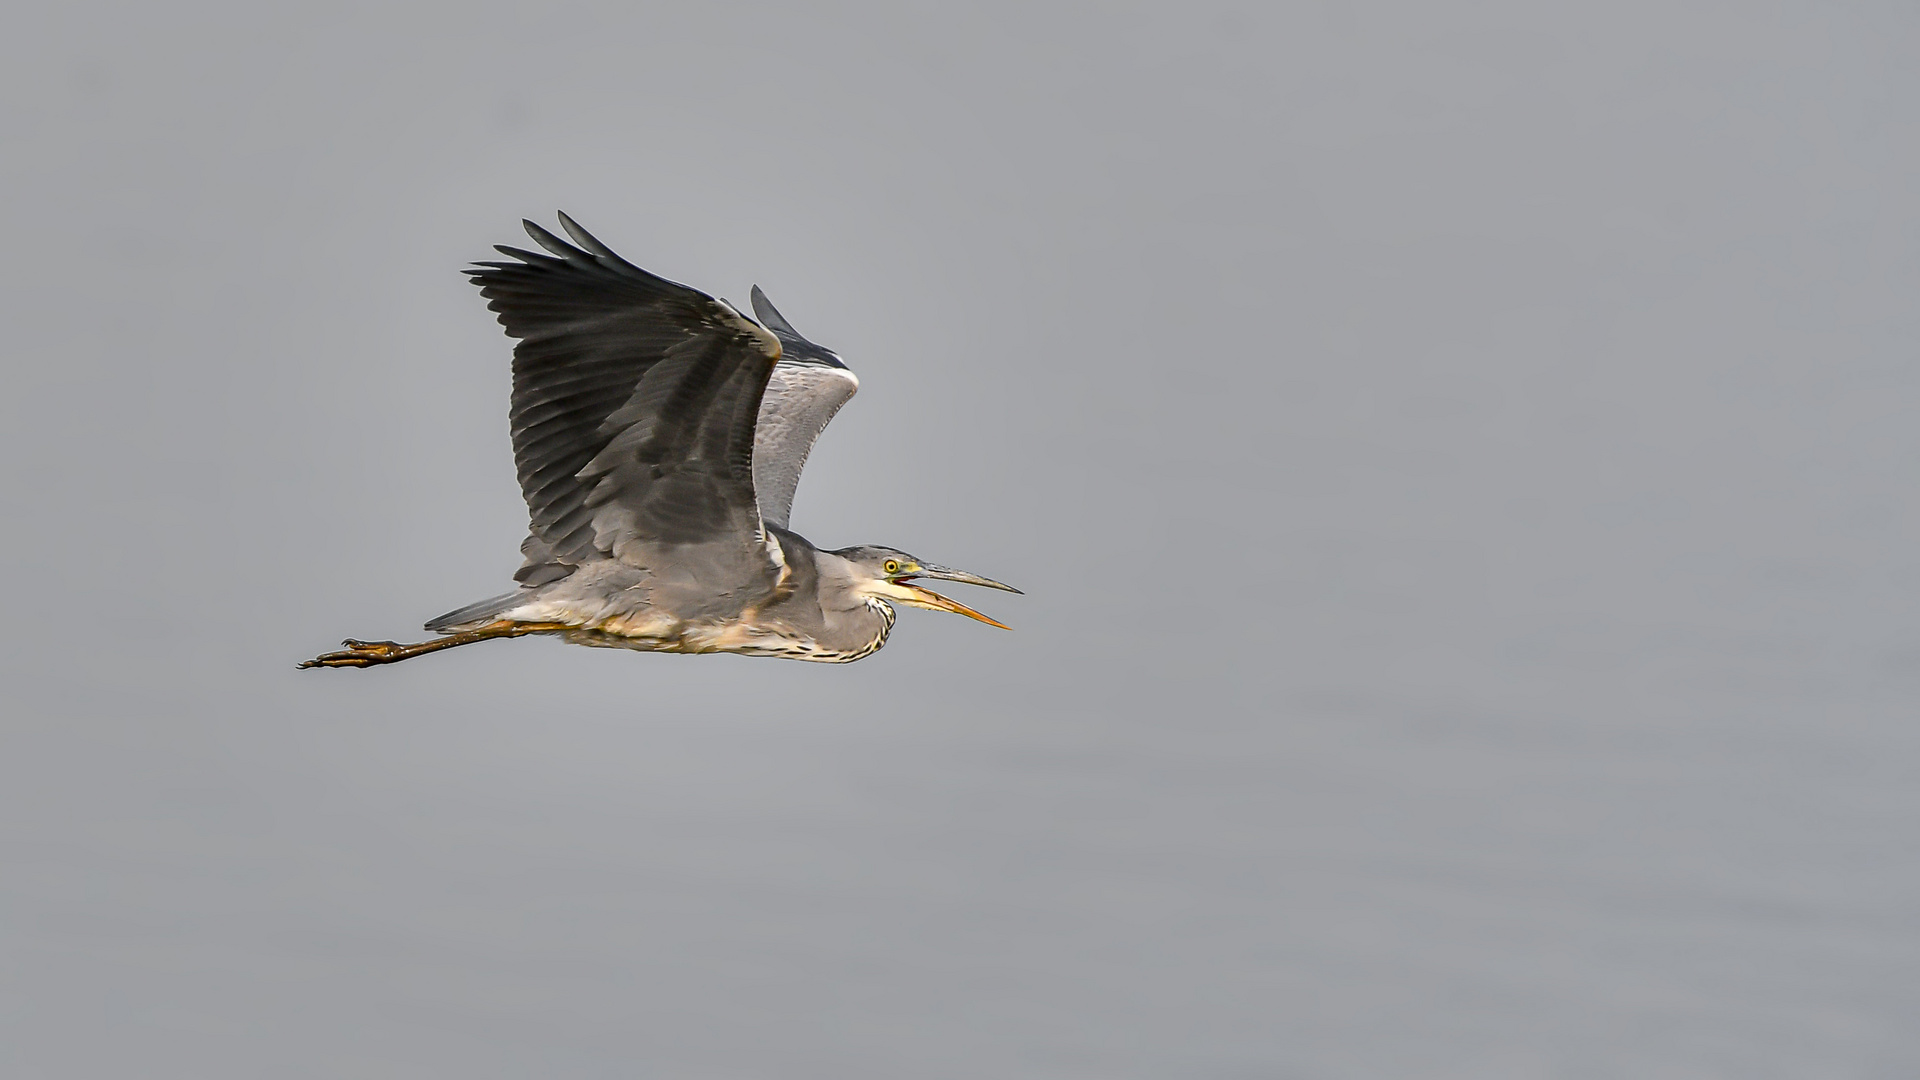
(808, 386)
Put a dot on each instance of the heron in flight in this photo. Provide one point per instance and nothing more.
(659, 435)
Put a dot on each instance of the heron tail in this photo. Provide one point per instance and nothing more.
(476, 613)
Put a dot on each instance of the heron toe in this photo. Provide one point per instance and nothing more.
(359, 654)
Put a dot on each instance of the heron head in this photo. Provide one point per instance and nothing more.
(887, 574)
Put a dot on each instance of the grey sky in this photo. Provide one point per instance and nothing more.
(1518, 409)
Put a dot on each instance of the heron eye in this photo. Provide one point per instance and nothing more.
(892, 566)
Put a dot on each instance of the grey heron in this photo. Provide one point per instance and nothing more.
(659, 435)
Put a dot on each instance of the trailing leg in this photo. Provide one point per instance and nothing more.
(369, 653)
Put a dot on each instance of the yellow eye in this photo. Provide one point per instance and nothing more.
(892, 566)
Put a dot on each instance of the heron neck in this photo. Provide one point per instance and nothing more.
(853, 619)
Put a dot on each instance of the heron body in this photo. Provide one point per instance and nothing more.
(659, 435)
(612, 604)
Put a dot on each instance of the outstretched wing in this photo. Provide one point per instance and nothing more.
(634, 402)
(808, 386)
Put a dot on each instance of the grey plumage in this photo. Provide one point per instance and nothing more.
(807, 387)
(659, 436)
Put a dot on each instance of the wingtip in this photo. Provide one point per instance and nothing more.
(530, 258)
(588, 241)
(549, 241)
(769, 315)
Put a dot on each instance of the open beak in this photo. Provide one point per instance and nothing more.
(927, 598)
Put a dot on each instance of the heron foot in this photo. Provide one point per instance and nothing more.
(357, 653)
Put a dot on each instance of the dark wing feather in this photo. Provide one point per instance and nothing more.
(634, 402)
(809, 385)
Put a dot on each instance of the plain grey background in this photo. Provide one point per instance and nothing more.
(1460, 459)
